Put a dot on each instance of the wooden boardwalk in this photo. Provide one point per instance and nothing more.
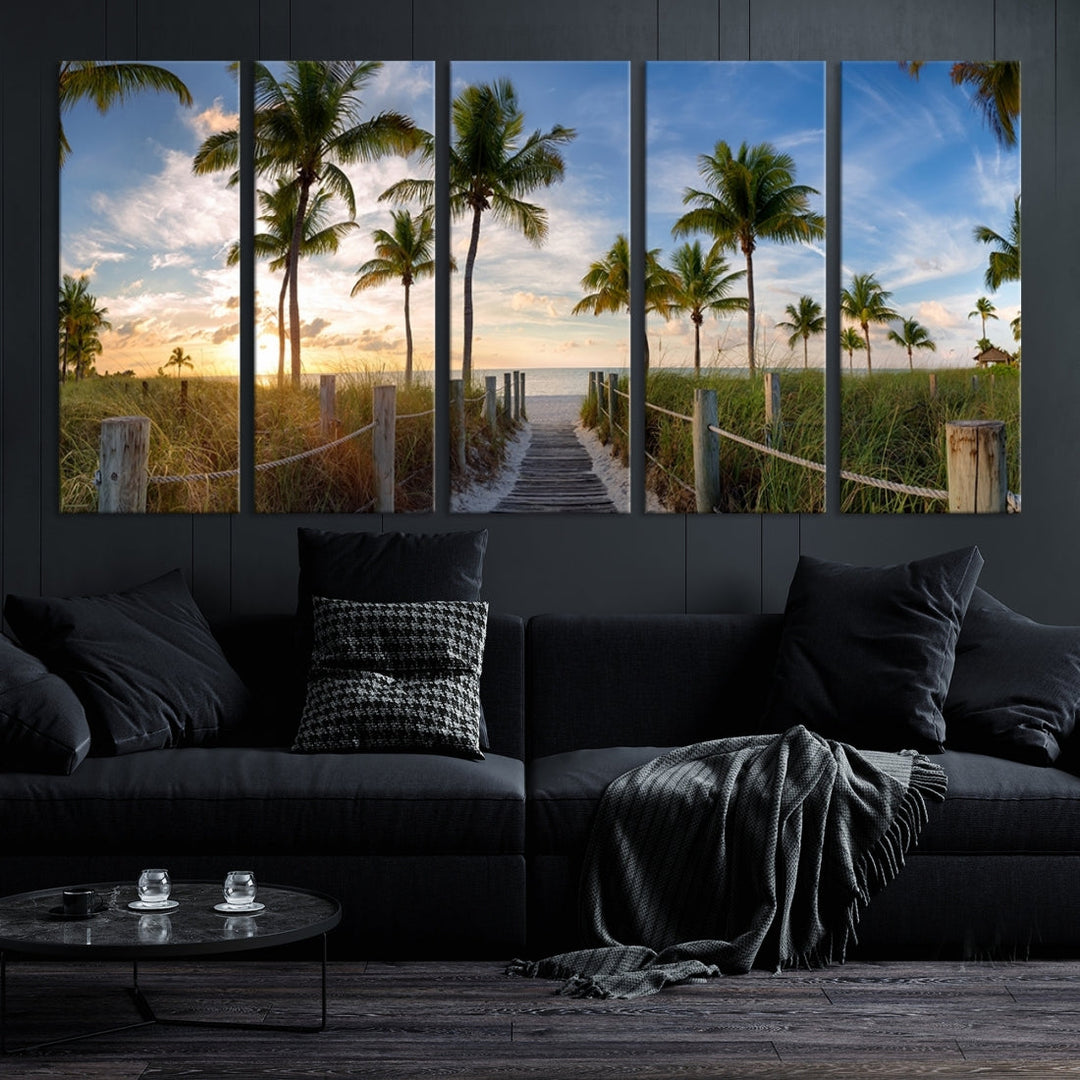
(556, 476)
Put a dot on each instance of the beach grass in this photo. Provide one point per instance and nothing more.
(892, 428)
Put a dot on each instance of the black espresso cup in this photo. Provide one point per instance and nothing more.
(78, 901)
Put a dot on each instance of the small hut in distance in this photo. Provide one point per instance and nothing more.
(993, 355)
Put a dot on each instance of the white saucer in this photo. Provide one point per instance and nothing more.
(239, 909)
(161, 905)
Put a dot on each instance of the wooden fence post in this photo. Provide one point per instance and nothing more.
(145, 388)
(933, 384)
(772, 409)
(457, 419)
(328, 406)
(123, 464)
(522, 410)
(489, 402)
(706, 451)
(974, 384)
(384, 408)
(976, 465)
(592, 386)
(507, 406)
(517, 395)
(613, 400)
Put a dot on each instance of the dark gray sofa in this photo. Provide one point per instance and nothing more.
(437, 856)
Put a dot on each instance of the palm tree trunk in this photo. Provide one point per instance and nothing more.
(281, 331)
(467, 320)
(750, 312)
(910, 362)
(866, 335)
(292, 268)
(805, 352)
(63, 361)
(697, 346)
(408, 340)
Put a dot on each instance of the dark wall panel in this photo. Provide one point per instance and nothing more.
(351, 30)
(200, 30)
(861, 30)
(551, 30)
(688, 29)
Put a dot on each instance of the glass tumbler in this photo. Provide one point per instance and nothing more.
(239, 888)
(154, 886)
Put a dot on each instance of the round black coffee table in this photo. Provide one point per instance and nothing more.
(193, 928)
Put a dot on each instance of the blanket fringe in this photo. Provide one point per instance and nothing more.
(880, 864)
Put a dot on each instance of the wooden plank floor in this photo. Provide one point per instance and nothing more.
(556, 475)
(894, 1020)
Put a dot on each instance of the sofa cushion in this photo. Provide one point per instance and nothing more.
(1000, 806)
(43, 726)
(387, 568)
(394, 677)
(1015, 689)
(867, 651)
(992, 806)
(269, 801)
(647, 680)
(565, 789)
(144, 664)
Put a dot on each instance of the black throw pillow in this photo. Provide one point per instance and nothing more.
(43, 727)
(387, 568)
(1015, 690)
(144, 664)
(395, 677)
(866, 652)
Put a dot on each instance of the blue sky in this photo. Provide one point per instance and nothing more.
(153, 236)
(522, 294)
(689, 108)
(150, 234)
(919, 170)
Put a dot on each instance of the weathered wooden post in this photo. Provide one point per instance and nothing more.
(978, 483)
(123, 464)
(489, 402)
(706, 451)
(506, 394)
(933, 384)
(145, 388)
(327, 406)
(457, 417)
(522, 410)
(772, 409)
(385, 414)
(592, 386)
(974, 384)
(517, 395)
(613, 400)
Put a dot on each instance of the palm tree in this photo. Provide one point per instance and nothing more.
(107, 84)
(608, 282)
(912, 335)
(701, 284)
(805, 319)
(406, 254)
(1015, 327)
(751, 196)
(178, 360)
(864, 302)
(492, 167)
(1004, 262)
(984, 308)
(851, 339)
(279, 215)
(307, 125)
(995, 86)
(81, 321)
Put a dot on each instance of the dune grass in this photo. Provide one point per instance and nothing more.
(892, 427)
(200, 437)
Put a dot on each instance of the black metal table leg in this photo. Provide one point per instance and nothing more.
(148, 1016)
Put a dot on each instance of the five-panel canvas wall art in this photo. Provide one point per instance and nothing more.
(543, 283)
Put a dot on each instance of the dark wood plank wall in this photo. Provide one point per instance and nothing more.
(246, 562)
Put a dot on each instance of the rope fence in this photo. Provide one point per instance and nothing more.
(978, 487)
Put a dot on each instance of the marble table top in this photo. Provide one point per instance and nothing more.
(192, 928)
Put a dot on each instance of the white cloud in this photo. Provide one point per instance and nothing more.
(212, 119)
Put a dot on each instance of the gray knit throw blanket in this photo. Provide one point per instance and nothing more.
(762, 849)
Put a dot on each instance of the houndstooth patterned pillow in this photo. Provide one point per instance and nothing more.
(394, 677)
